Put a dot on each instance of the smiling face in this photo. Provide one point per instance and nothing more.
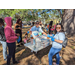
(58, 28)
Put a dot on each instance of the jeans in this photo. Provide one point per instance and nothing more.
(52, 52)
(11, 49)
(4, 45)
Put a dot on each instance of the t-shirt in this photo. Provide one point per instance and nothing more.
(34, 28)
(58, 36)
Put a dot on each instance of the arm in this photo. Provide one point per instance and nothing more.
(44, 33)
(15, 27)
(1, 31)
(9, 36)
(61, 38)
(59, 41)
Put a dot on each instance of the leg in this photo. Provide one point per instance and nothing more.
(4, 44)
(13, 57)
(57, 58)
(50, 55)
(11, 51)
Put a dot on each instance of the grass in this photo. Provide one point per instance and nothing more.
(72, 47)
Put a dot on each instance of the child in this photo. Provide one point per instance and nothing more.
(26, 37)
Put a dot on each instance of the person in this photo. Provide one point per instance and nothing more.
(53, 29)
(50, 26)
(26, 37)
(11, 38)
(33, 23)
(45, 26)
(57, 39)
(18, 29)
(3, 39)
(37, 28)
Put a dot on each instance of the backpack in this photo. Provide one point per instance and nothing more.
(64, 44)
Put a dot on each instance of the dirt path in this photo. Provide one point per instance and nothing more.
(26, 57)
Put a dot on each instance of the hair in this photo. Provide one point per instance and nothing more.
(32, 23)
(51, 22)
(18, 21)
(1, 21)
(62, 29)
(37, 21)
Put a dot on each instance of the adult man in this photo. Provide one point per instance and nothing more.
(37, 28)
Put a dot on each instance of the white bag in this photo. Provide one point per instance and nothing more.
(33, 34)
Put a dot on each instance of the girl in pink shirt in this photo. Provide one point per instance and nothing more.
(11, 38)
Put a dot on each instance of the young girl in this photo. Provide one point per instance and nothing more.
(57, 41)
(11, 40)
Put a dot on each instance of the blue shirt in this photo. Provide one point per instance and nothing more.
(58, 36)
(34, 28)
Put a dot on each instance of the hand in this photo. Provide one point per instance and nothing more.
(28, 32)
(48, 36)
(17, 37)
(52, 39)
(19, 28)
(18, 34)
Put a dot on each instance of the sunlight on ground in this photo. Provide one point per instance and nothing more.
(26, 57)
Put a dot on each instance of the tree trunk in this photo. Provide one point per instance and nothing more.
(69, 21)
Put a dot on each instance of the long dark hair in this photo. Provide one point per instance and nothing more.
(18, 21)
(62, 28)
(1, 21)
(51, 22)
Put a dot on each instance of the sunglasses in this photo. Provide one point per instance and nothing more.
(58, 27)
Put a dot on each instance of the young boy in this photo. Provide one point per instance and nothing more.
(3, 39)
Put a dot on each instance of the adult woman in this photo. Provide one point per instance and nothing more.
(10, 39)
(50, 26)
(57, 43)
(18, 29)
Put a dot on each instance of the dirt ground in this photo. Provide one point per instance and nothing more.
(26, 57)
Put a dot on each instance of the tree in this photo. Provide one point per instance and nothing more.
(69, 21)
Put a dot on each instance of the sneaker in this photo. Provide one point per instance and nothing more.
(16, 62)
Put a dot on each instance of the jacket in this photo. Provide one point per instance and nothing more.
(9, 33)
(2, 34)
